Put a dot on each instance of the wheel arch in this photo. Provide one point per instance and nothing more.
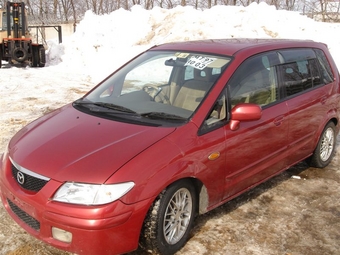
(336, 124)
(200, 190)
(315, 159)
(335, 121)
(202, 195)
(321, 128)
(201, 204)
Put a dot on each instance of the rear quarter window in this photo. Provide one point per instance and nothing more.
(325, 67)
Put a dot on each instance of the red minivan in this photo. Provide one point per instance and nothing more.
(175, 132)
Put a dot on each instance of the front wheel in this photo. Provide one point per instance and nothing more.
(324, 151)
(169, 221)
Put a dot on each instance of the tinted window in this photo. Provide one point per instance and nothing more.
(315, 72)
(255, 81)
(326, 71)
(300, 71)
(297, 55)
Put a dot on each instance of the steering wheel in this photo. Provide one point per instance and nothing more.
(156, 93)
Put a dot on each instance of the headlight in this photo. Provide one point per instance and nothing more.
(91, 194)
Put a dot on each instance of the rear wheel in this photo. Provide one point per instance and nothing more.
(35, 56)
(170, 219)
(38, 56)
(42, 56)
(324, 151)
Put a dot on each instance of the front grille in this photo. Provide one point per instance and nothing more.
(29, 220)
(29, 182)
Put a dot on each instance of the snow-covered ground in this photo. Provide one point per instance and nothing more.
(102, 43)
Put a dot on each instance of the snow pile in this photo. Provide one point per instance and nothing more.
(103, 43)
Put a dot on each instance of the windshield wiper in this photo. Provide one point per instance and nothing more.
(162, 115)
(110, 106)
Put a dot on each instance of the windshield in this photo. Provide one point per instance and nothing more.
(157, 87)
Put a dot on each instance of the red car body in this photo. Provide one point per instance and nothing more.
(69, 145)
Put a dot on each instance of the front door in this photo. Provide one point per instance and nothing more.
(257, 150)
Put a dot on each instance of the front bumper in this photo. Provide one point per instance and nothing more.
(108, 229)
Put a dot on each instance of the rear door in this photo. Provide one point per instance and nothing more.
(303, 83)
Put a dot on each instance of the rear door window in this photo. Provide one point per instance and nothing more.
(300, 71)
(299, 76)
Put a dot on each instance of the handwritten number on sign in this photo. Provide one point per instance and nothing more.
(199, 62)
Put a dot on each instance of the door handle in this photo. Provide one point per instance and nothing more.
(323, 99)
(278, 120)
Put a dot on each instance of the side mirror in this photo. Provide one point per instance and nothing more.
(244, 112)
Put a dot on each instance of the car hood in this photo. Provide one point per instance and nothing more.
(68, 145)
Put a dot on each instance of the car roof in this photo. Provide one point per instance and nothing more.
(231, 47)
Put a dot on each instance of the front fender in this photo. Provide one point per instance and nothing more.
(180, 155)
(153, 170)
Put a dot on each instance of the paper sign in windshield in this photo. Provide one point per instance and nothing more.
(199, 62)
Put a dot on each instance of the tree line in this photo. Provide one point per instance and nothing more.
(65, 11)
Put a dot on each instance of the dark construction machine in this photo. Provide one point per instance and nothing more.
(16, 44)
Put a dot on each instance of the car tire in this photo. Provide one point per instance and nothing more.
(35, 56)
(170, 219)
(325, 148)
(42, 56)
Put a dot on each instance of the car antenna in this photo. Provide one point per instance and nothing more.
(163, 39)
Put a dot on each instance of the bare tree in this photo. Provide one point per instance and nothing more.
(59, 11)
(74, 15)
(290, 4)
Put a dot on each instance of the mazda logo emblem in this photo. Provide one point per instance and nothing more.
(20, 178)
